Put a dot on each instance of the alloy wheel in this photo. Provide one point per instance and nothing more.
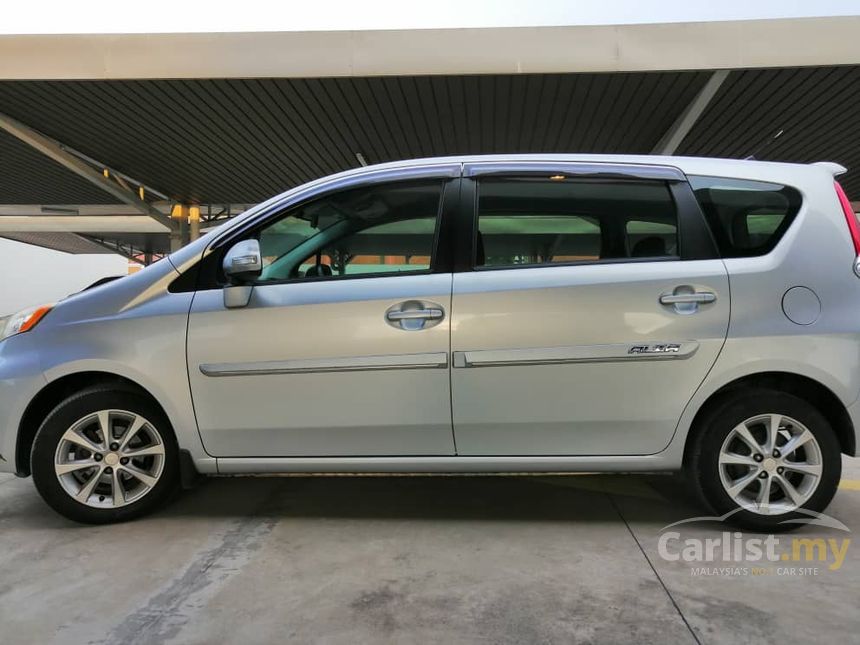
(770, 464)
(109, 459)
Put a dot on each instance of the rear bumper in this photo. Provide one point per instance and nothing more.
(20, 380)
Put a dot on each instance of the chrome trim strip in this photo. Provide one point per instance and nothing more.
(576, 354)
(575, 169)
(354, 178)
(437, 360)
(447, 464)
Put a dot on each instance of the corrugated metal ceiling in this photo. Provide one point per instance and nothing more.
(65, 242)
(817, 111)
(243, 140)
(29, 177)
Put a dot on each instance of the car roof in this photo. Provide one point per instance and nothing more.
(658, 160)
(797, 175)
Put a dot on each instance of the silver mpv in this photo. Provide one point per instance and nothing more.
(481, 314)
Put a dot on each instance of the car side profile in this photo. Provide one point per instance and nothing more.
(523, 313)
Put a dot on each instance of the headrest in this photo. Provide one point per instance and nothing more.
(318, 270)
(649, 247)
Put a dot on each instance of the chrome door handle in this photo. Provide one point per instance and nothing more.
(415, 314)
(684, 299)
(697, 297)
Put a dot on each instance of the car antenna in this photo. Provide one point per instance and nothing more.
(764, 145)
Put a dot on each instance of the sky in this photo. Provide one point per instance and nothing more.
(183, 16)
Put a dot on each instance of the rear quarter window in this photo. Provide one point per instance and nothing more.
(747, 218)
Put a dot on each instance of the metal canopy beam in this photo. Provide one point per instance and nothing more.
(127, 250)
(207, 211)
(709, 45)
(56, 151)
(675, 135)
(80, 224)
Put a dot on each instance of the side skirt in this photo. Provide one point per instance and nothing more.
(447, 464)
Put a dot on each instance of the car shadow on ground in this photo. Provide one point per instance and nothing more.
(646, 500)
(581, 498)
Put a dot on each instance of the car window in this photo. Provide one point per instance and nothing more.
(532, 221)
(747, 218)
(374, 230)
(648, 238)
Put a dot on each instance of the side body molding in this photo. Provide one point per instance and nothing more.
(576, 354)
(434, 360)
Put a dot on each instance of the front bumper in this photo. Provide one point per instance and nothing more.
(21, 378)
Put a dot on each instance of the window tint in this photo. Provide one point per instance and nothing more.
(649, 238)
(746, 217)
(379, 229)
(544, 221)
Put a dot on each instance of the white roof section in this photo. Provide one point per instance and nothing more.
(785, 42)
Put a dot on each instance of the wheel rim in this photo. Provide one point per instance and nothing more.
(770, 464)
(109, 459)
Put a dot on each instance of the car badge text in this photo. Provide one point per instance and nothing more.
(663, 348)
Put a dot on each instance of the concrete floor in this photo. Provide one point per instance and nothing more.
(405, 559)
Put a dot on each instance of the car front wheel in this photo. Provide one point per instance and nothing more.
(105, 455)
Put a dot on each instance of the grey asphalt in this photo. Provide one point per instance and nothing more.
(405, 559)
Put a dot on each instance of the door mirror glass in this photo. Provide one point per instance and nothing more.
(243, 262)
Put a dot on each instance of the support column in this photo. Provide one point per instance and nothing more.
(685, 122)
(194, 222)
(179, 234)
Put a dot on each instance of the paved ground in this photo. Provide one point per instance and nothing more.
(407, 559)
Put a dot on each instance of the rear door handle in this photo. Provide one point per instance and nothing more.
(697, 297)
(684, 299)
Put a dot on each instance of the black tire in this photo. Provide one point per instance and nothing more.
(702, 468)
(64, 416)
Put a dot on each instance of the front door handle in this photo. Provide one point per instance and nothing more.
(414, 315)
(686, 300)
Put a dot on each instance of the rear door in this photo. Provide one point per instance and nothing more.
(594, 309)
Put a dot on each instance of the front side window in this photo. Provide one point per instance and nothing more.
(534, 221)
(746, 217)
(374, 230)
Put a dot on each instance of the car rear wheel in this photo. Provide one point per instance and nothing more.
(105, 455)
(766, 460)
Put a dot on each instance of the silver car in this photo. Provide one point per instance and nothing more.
(481, 314)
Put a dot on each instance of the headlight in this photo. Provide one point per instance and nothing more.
(22, 321)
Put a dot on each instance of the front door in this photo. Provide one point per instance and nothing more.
(343, 349)
(591, 316)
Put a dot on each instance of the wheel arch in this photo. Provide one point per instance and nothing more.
(803, 387)
(55, 392)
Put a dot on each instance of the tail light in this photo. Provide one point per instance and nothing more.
(853, 225)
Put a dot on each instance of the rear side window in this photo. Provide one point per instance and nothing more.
(747, 218)
(535, 221)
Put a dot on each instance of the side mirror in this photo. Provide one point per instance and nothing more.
(242, 262)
